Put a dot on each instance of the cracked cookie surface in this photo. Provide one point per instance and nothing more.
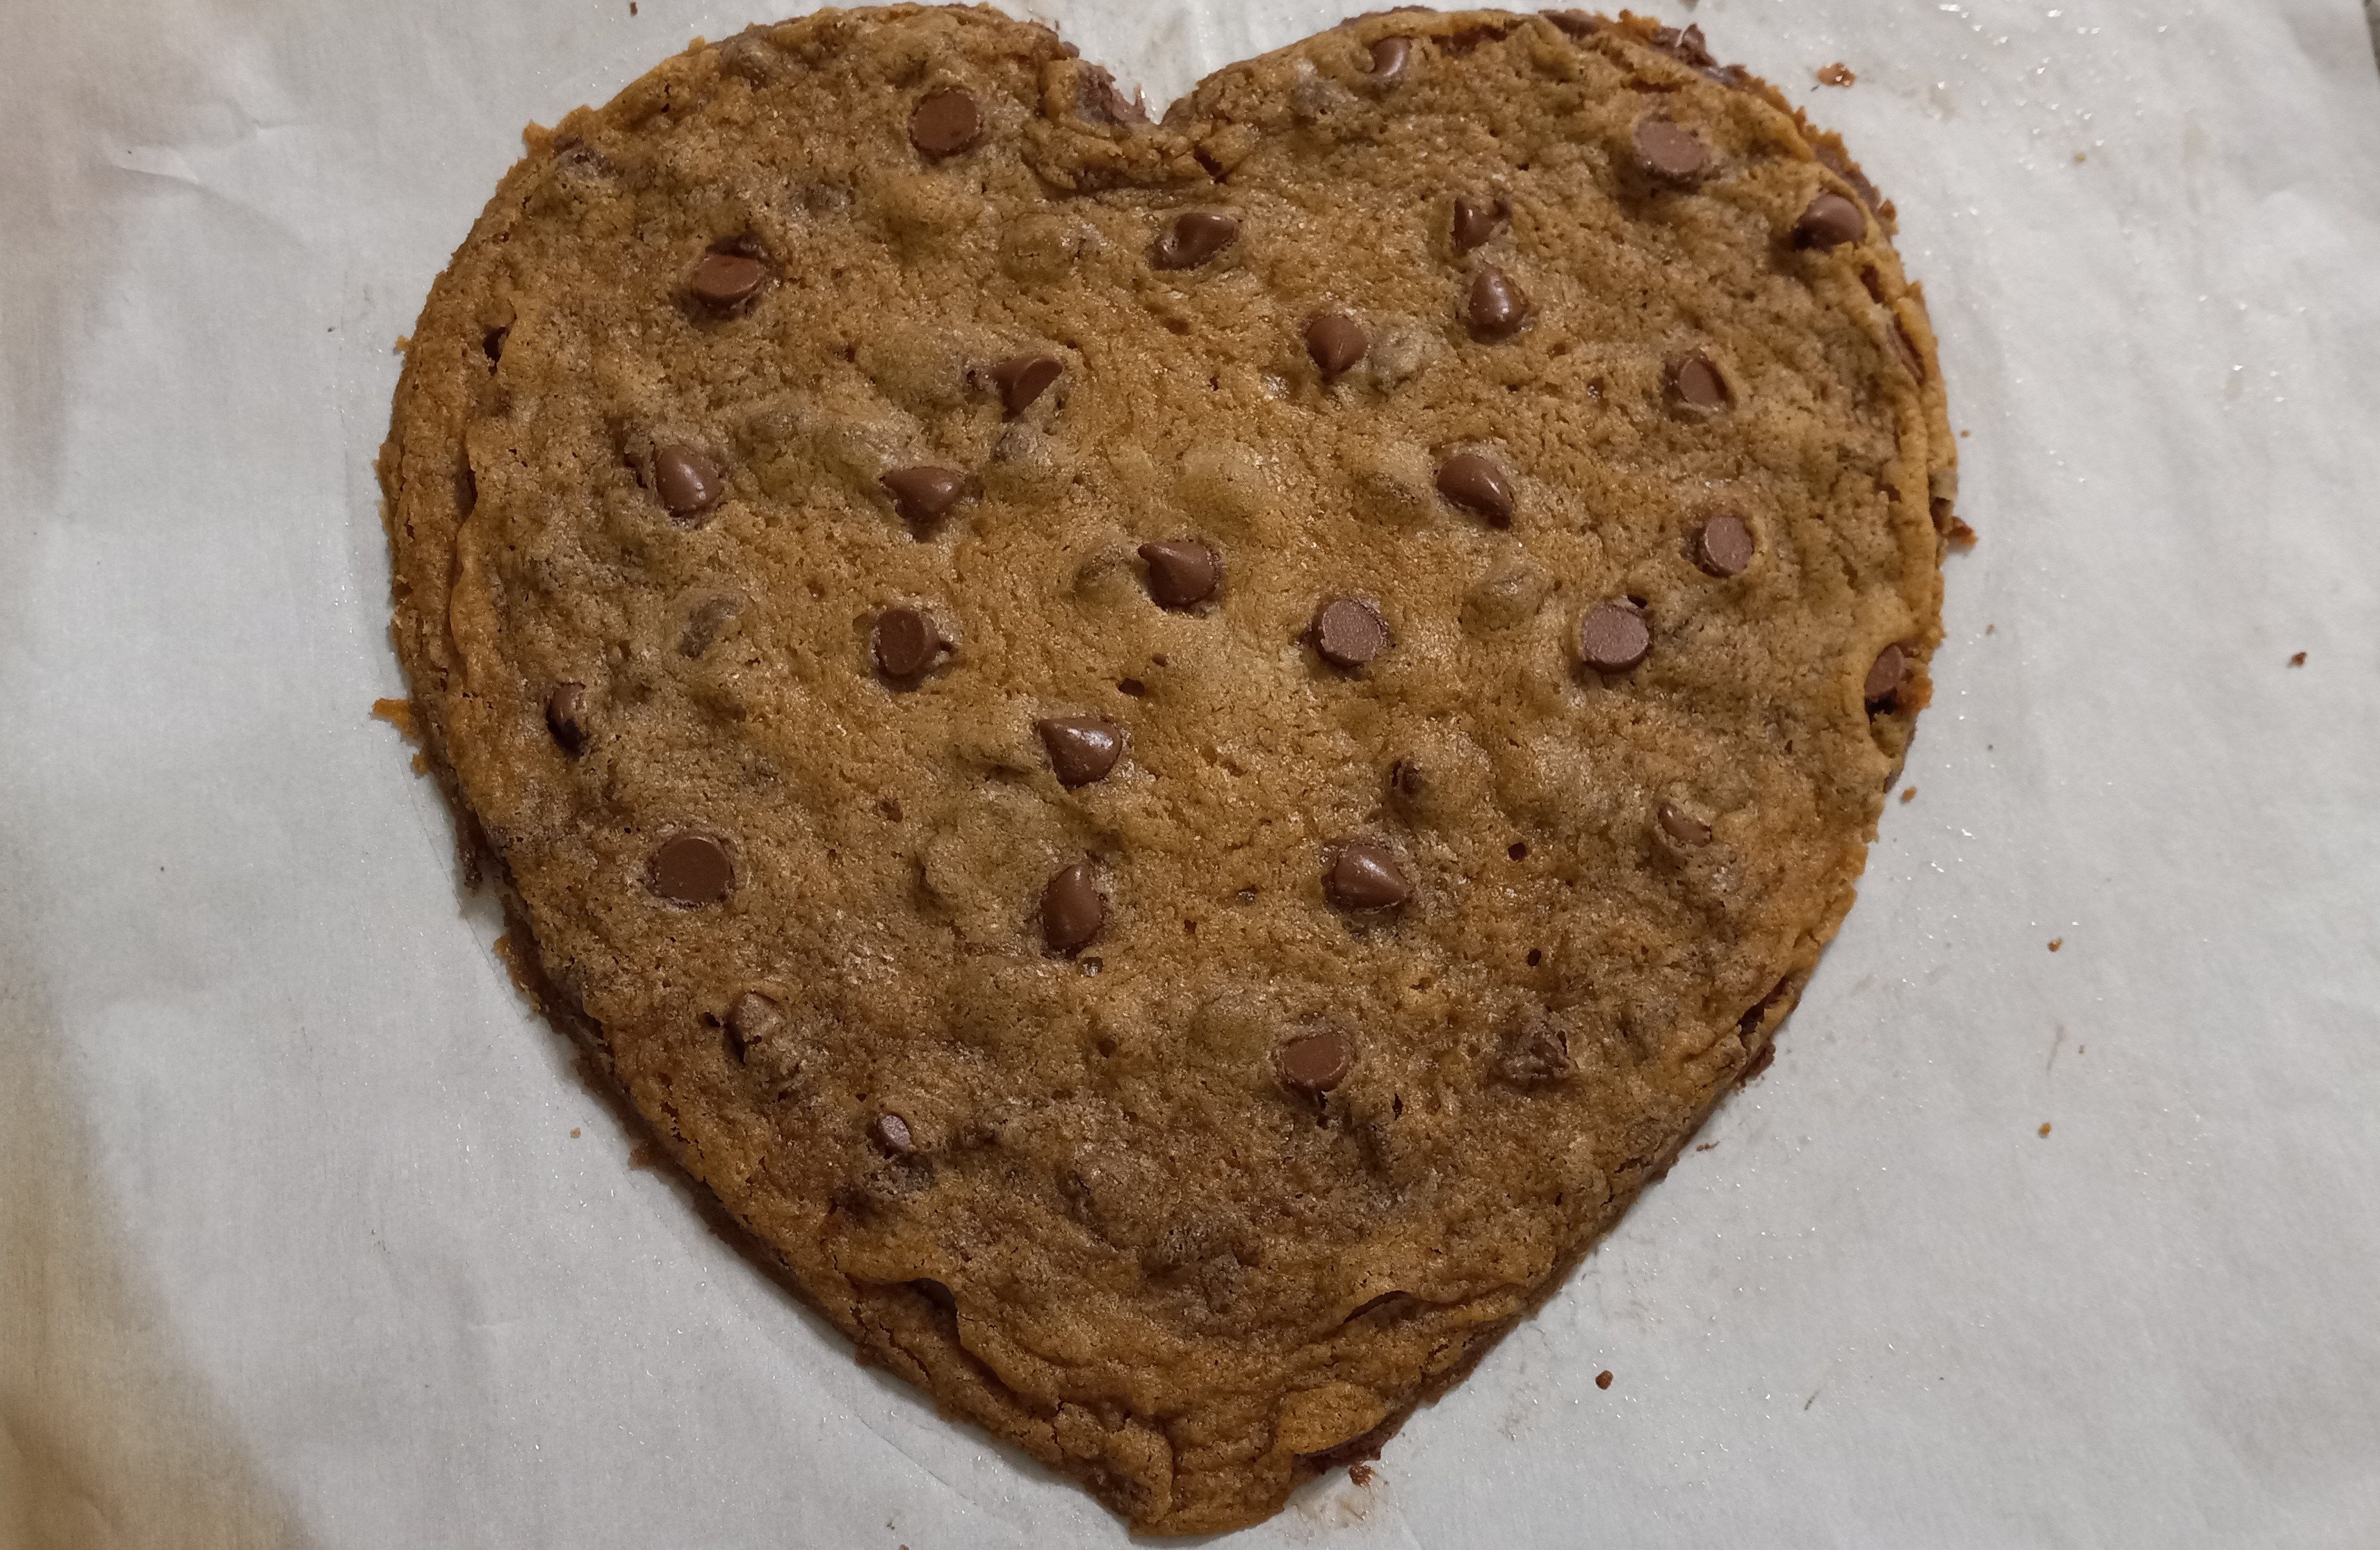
(1174, 756)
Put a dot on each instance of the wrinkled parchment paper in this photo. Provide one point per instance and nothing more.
(2056, 1222)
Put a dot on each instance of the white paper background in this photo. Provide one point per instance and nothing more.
(296, 1247)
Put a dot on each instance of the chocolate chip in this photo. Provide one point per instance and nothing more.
(1669, 151)
(1348, 633)
(1533, 1054)
(1496, 307)
(1314, 1063)
(702, 627)
(727, 279)
(1082, 748)
(1182, 573)
(566, 718)
(1576, 24)
(1614, 637)
(1363, 876)
(690, 482)
(1723, 546)
(946, 121)
(1336, 341)
(1885, 677)
(691, 869)
(1099, 100)
(1195, 236)
(1830, 222)
(1406, 779)
(1072, 911)
(1023, 378)
(753, 1019)
(1389, 57)
(906, 643)
(1696, 389)
(1476, 220)
(889, 1134)
(1687, 46)
(1682, 826)
(923, 493)
(1476, 485)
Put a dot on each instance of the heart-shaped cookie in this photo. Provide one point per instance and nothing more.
(1176, 756)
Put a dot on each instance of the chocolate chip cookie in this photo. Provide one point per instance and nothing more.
(1175, 755)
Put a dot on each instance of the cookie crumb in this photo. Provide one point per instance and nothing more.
(2044, 1128)
(2298, 660)
(2056, 942)
(1603, 1378)
(520, 966)
(574, 1133)
(398, 713)
(1962, 537)
(2081, 157)
(1705, 1145)
(1909, 795)
(644, 1154)
(1360, 1474)
(1836, 74)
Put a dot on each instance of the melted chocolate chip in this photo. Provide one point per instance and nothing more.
(1389, 58)
(1099, 100)
(906, 643)
(690, 482)
(1476, 220)
(703, 625)
(1668, 152)
(1533, 1054)
(754, 1020)
(1685, 45)
(1830, 222)
(1195, 236)
(1697, 389)
(1363, 876)
(566, 718)
(1336, 341)
(1183, 574)
(923, 493)
(889, 1134)
(1073, 913)
(1682, 826)
(1723, 546)
(1478, 486)
(1348, 633)
(946, 121)
(1576, 24)
(1023, 378)
(1082, 748)
(1614, 637)
(1314, 1063)
(726, 279)
(691, 869)
(1495, 308)
(1406, 781)
(1885, 677)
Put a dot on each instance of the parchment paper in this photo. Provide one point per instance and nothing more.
(309, 1236)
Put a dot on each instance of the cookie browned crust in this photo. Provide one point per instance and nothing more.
(1176, 756)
